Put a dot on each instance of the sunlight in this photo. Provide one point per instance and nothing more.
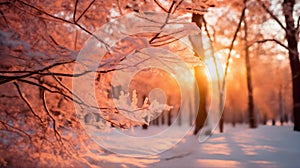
(223, 149)
(212, 67)
(188, 78)
(218, 163)
(141, 83)
(265, 163)
(280, 57)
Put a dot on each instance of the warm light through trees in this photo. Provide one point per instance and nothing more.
(256, 42)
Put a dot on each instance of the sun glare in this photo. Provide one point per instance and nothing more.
(214, 66)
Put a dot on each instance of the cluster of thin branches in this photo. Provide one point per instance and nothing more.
(43, 87)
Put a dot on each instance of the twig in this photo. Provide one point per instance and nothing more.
(202, 11)
(166, 21)
(67, 21)
(86, 9)
(40, 72)
(166, 37)
(4, 3)
(46, 13)
(65, 87)
(53, 40)
(119, 7)
(213, 53)
(269, 40)
(18, 129)
(231, 47)
(75, 41)
(56, 133)
(49, 74)
(58, 92)
(75, 10)
(298, 25)
(11, 78)
(160, 5)
(166, 42)
(176, 7)
(271, 14)
(49, 90)
(90, 33)
(27, 102)
(5, 20)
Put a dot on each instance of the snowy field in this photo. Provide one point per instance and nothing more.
(266, 146)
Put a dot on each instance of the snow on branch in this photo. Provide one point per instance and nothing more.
(143, 114)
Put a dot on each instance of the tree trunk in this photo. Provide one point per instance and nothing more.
(281, 103)
(162, 115)
(201, 82)
(265, 119)
(252, 116)
(202, 114)
(273, 122)
(170, 117)
(179, 114)
(291, 35)
(221, 124)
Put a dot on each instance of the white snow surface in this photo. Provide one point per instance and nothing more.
(266, 146)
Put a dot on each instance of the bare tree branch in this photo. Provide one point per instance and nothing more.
(160, 5)
(176, 7)
(65, 87)
(199, 11)
(119, 7)
(75, 10)
(298, 22)
(53, 40)
(56, 133)
(166, 21)
(158, 44)
(8, 96)
(75, 41)
(272, 14)
(213, 53)
(4, 3)
(6, 79)
(15, 128)
(79, 101)
(27, 102)
(49, 90)
(166, 38)
(46, 13)
(231, 47)
(54, 73)
(86, 9)
(4, 18)
(269, 40)
(67, 21)
(298, 26)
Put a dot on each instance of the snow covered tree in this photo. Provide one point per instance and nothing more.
(291, 29)
(39, 43)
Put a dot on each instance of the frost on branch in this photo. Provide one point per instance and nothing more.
(144, 114)
(128, 109)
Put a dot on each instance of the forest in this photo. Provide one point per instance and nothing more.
(149, 83)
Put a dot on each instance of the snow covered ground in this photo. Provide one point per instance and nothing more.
(266, 146)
